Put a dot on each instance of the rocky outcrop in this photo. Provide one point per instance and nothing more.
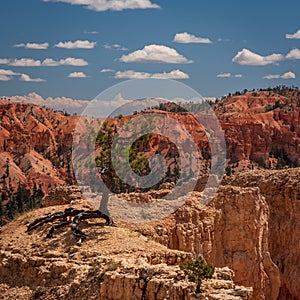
(260, 125)
(232, 231)
(36, 144)
(281, 190)
(62, 195)
(253, 132)
(114, 263)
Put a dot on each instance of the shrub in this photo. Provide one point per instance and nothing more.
(196, 270)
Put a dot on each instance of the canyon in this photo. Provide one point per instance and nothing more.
(249, 231)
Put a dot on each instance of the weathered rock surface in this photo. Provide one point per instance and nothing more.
(232, 231)
(114, 263)
(36, 144)
(252, 226)
(281, 190)
(62, 195)
(254, 131)
(37, 141)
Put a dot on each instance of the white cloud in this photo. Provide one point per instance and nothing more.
(223, 40)
(26, 78)
(76, 45)
(155, 54)
(35, 46)
(8, 72)
(287, 75)
(48, 62)
(4, 77)
(25, 62)
(107, 71)
(62, 103)
(187, 38)
(293, 54)
(228, 75)
(224, 75)
(4, 61)
(77, 75)
(175, 74)
(70, 61)
(91, 32)
(117, 5)
(115, 47)
(247, 57)
(295, 35)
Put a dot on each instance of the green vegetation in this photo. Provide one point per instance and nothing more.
(196, 270)
(138, 160)
(13, 203)
(277, 104)
(283, 159)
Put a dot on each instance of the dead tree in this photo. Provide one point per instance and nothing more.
(70, 216)
(73, 217)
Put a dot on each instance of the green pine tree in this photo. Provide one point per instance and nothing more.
(196, 270)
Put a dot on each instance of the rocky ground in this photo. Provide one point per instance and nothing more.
(113, 263)
(251, 226)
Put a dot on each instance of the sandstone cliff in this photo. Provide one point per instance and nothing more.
(252, 226)
(281, 190)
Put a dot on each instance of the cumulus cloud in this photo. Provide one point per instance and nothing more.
(287, 75)
(61, 103)
(227, 75)
(25, 62)
(175, 74)
(249, 58)
(224, 75)
(155, 54)
(187, 38)
(70, 61)
(293, 54)
(8, 72)
(76, 45)
(4, 61)
(107, 71)
(48, 62)
(6, 75)
(77, 75)
(115, 47)
(27, 78)
(295, 35)
(117, 5)
(35, 46)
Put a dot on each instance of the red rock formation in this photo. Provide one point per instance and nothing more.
(282, 194)
(255, 128)
(36, 143)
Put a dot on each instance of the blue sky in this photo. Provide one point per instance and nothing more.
(220, 47)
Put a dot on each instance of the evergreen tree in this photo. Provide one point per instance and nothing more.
(11, 207)
(1, 209)
(196, 270)
(20, 198)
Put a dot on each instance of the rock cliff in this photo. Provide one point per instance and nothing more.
(281, 190)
